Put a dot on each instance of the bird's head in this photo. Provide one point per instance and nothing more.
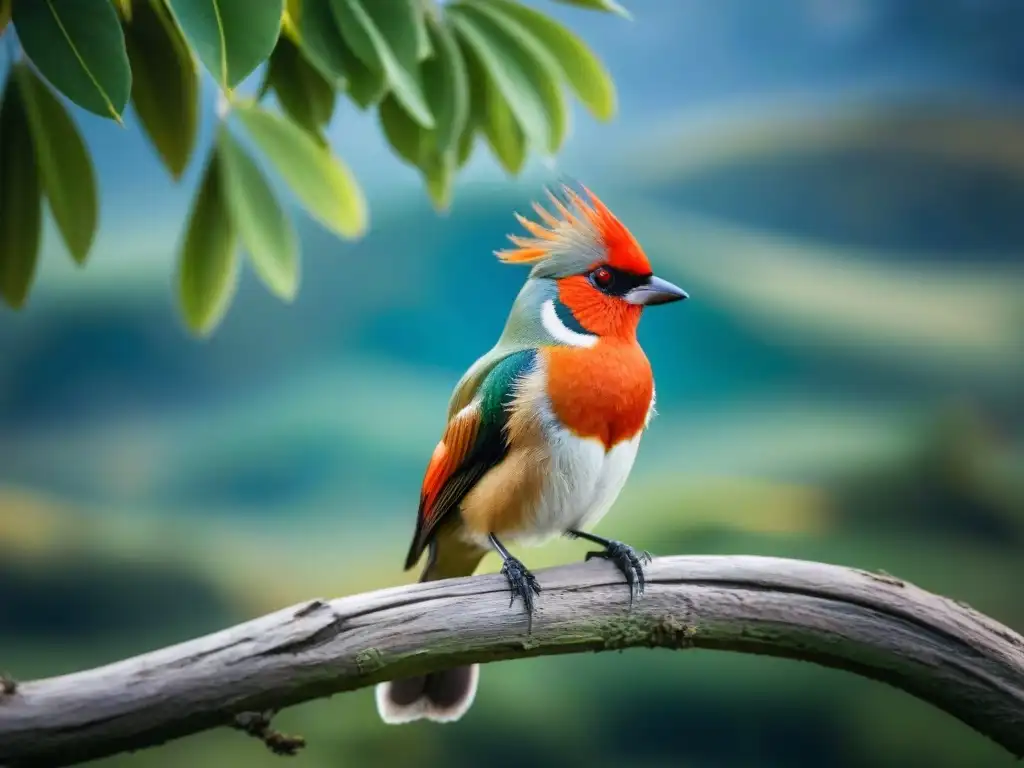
(602, 277)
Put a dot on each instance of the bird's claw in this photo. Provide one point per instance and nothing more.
(629, 561)
(522, 583)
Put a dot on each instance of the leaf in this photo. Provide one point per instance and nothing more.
(537, 65)
(490, 113)
(404, 134)
(439, 173)
(290, 19)
(319, 179)
(583, 71)
(366, 87)
(477, 117)
(20, 200)
(208, 263)
(519, 71)
(305, 95)
(5, 14)
(321, 39)
(503, 133)
(79, 48)
(609, 6)
(467, 141)
(265, 230)
(383, 36)
(124, 8)
(65, 168)
(231, 37)
(424, 47)
(165, 83)
(446, 86)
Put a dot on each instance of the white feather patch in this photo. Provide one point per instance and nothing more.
(559, 331)
(651, 411)
(423, 708)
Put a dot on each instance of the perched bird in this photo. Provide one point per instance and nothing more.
(543, 429)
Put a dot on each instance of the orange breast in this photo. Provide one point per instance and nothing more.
(601, 392)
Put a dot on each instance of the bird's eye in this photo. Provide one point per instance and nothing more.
(602, 277)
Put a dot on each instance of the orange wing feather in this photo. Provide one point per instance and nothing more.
(438, 493)
(448, 456)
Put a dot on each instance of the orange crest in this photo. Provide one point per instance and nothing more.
(587, 234)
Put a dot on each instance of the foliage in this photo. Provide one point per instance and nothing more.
(440, 76)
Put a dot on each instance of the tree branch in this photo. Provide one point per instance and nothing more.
(874, 625)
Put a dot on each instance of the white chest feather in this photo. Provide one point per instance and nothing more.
(583, 483)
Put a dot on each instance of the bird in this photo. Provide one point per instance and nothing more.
(543, 429)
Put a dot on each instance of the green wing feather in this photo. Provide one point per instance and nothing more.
(471, 459)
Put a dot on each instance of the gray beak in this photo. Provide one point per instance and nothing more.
(656, 291)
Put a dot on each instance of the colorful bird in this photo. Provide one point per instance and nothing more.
(543, 429)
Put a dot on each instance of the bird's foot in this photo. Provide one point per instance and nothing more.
(521, 582)
(627, 560)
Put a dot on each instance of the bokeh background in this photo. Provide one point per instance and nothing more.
(838, 183)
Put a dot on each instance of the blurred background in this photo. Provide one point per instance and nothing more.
(839, 186)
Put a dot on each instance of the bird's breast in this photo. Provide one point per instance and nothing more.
(600, 393)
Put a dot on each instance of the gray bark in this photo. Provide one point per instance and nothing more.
(873, 625)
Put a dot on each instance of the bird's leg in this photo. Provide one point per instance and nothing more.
(626, 559)
(520, 581)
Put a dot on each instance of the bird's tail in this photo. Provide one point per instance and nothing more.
(442, 696)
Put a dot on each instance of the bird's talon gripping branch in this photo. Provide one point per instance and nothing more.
(625, 558)
(522, 583)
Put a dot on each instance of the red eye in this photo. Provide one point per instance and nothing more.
(602, 277)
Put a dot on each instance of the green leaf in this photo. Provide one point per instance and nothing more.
(79, 48)
(521, 50)
(609, 6)
(490, 113)
(404, 134)
(477, 117)
(266, 231)
(383, 36)
(319, 179)
(305, 95)
(439, 173)
(519, 71)
(366, 87)
(65, 168)
(507, 140)
(424, 47)
(321, 39)
(5, 14)
(20, 200)
(165, 83)
(208, 263)
(124, 8)
(467, 141)
(583, 71)
(231, 37)
(446, 86)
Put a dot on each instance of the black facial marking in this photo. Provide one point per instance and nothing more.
(621, 283)
(568, 318)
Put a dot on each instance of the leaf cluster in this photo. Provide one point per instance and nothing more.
(439, 76)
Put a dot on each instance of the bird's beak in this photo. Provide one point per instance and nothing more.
(656, 291)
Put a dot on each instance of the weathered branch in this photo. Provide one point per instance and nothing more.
(870, 624)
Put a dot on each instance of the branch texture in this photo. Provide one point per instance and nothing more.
(873, 625)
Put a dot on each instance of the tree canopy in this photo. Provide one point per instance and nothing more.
(440, 75)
